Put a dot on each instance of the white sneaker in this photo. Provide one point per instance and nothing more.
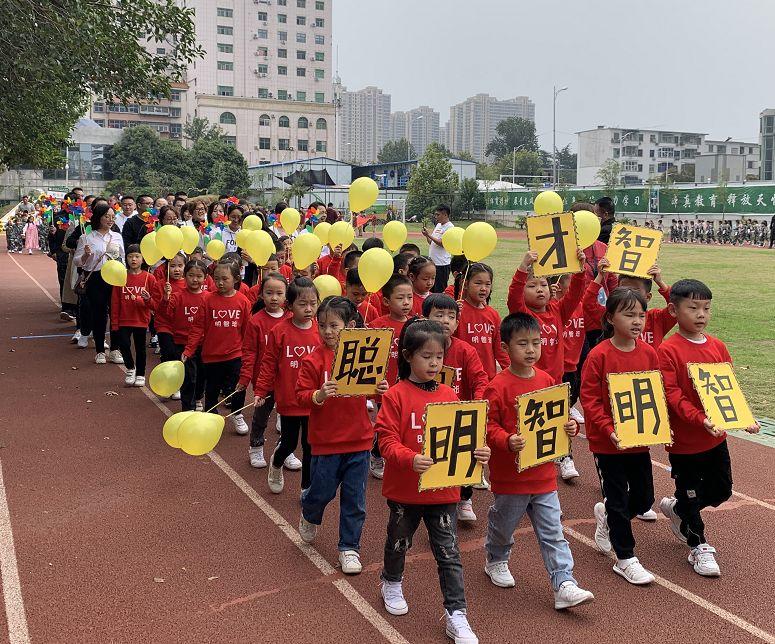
(307, 530)
(129, 378)
(465, 511)
(633, 572)
(240, 426)
(499, 574)
(393, 597)
(200, 406)
(570, 595)
(667, 507)
(140, 381)
(76, 337)
(83, 341)
(175, 396)
(568, 469)
(115, 357)
(484, 485)
(649, 515)
(100, 358)
(704, 562)
(350, 561)
(602, 540)
(256, 456)
(292, 463)
(275, 479)
(576, 415)
(458, 629)
(377, 466)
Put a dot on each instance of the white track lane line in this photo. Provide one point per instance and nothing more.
(39, 285)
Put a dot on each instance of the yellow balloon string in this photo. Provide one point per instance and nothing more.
(237, 411)
(222, 401)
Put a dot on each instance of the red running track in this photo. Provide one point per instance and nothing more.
(118, 538)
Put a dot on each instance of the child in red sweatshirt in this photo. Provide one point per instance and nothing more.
(400, 429)
(699, 455)
(479, 323)
(625, 474)
(533, 491)
(163, 291)
(340, 438)
(130, 313)
(288, 343)
(531, 295)
(219, 328)
(422, 274)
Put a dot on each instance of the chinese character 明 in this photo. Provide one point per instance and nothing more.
(558, 246)
(632, 405)
(447, 443)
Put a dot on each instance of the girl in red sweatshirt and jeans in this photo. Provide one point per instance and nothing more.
(400, 430)
(340, 438)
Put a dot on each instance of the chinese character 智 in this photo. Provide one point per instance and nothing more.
(541, 418)
(720, 394)
(633, 250)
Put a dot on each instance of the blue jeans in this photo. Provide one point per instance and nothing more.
(328, 473)
(544, 512)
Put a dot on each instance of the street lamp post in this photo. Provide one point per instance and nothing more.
(409, 144)
(514, 161)
(554, 134)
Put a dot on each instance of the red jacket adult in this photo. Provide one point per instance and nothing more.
(260, 325)
(470, 377)
(219, 328)
(182, 308)
(481, 328)
(127, 307)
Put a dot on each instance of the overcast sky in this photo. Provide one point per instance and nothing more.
(693, 65)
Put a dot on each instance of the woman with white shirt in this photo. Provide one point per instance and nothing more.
(94, 249)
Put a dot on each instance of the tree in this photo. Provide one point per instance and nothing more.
(465, 155)
(200, 129)
(468, 197)
(56, 54)
(513, 132)
(219, 167)
(295, 191)
(524, 162)
(394, 151)
(566, 159)
(432, 181)
(609, 174)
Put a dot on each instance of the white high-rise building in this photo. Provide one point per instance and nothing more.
(266, 77)
(363, 123)
(472, 123)
(419, 126)
(398, 129)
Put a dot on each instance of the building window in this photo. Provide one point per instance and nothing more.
(284, 121)
(303, 123)
(223, 30)
(100, 122)
(319, 22)
(262, 51)
(262, 16)
(301, 96)
(320, 146)
(262, 33)
(616, 153)
(227, 118)
(301, 54)
(301, 21)
(721, 149)
(264, 119)
(320, 39)
(161, 50)
(175, 95)
(321, 124)
(320, 56)
(710, 148)
(226, 65)
(263, 92)
(282, 70)
(225, 90)
(263, 69)
(301, 37)
(225, 13)
(230, 140)
(282, 53)
(284, 144)
(651, 168)
(320, 97)
(750, 165)
(750, 150)
(320, 5)
(282, 94)
(263, 143)
(225, 48)
(651, 153)
(301, 71)
(320, 74)
(282, 3)
(175, 112)
(301, 4)
(629, 166)
(302, 145)
(665, 153)
(282, 35)
(282, 18)
(99, 107)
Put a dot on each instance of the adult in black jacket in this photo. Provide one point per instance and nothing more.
(605, 209)
(134, 228)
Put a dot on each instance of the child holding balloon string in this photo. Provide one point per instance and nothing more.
(169, 280)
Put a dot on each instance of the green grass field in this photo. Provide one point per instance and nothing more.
(743, 303)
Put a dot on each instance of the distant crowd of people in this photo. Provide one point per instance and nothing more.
(740, 232)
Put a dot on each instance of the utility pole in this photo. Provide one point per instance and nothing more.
(554, 134)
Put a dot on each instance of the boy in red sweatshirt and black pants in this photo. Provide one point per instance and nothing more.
(699, 456)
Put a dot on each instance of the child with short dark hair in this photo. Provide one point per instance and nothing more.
(699, 456)
(372, 242)
(401, 263)
(410, 248)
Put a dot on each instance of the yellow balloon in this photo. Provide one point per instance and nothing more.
(289, 220)
(394, 234)
(587, 227)
(200, 433)
(321, 231)
(170, 430)
(327, 285)
(452, 240)
(114, 273)
(151, 253)
(190, 239)
(169, 240)
(167, 378)
(375, 268)
(242, 237)
(259, 246)
(363, 193)
(341, 234)
(215, 249)
(305, 250)
(479, 240)
(547, 202)
(252, 222)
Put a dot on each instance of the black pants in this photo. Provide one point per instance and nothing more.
(442, 279)
(260, 419)
(126, 334)
(219, 374)
(291, 428)
(94, 311)
(193, 387)
(440, 521)
(167, 345)
(628, 489)
(701, 480)
(573, 378)
(592, 338)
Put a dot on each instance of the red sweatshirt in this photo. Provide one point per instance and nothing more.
(260, 326)
(470, 377)
(417, 302)
(244, 289)
(605, 358)
(372, 307)
(592, 256)
(340, 425)
(658, 321)
(219, 328)
(450, 290)
(330, 265)
(400, 430)
(162, 320)
(502, 423)
(552, 321)
(127, 307)
(286, 270)
(280, 365)
(386, 322)
(182, 309)
(573, 339)
(481, 328)
(683, 402)
(209, 284)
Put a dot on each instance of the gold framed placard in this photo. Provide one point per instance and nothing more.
(446, 376)
(633, 250)
(720, 394)
(360, 361)
(452, 432)
(553, 237)
(541, 418)
(639, 408)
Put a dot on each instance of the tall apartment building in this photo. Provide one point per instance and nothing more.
(472, 123)
(419, 126)
(767, 143)
(363, 123)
